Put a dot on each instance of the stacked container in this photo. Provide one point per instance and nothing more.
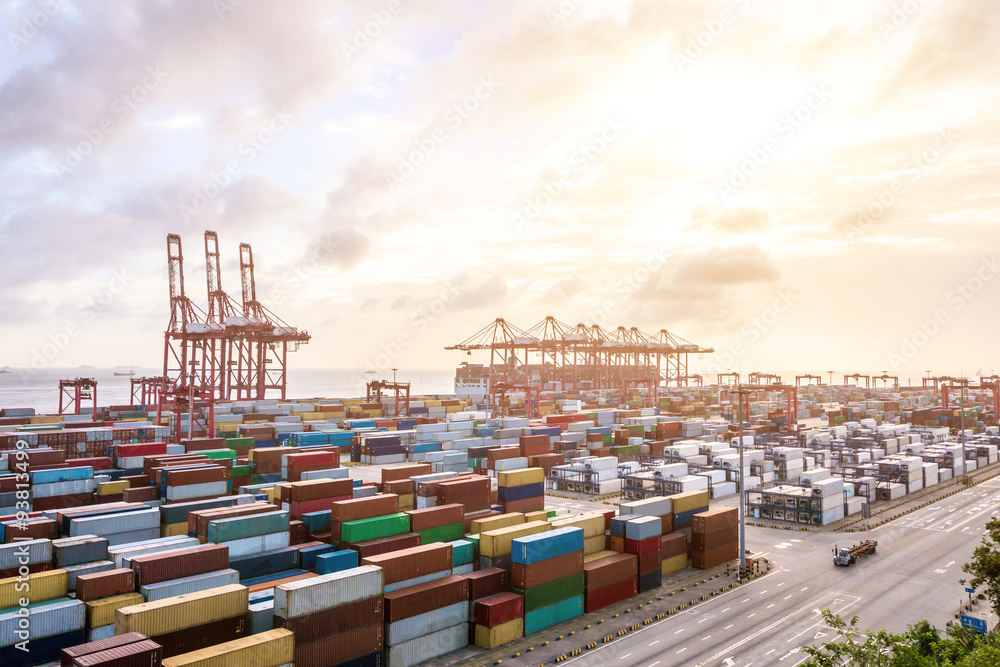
(673, 553)
(273, 648)
(409, 567)
(715, 538)
(547, 569)
(608, 580)
(495, 545)
(521, 490)
(130, 647)
(685, 506)
(426, 621)
(499, 620)
(442, 523)
(336, 617)
(642, 539)
(81, 555)
(593, 526)
(245, 535)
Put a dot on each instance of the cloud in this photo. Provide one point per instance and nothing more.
(725, 266)
(740, 220)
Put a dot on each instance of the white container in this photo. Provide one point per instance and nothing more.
(38, 551)
(426, 623)
(326, 591)
(43, 621)
(75, 571)
(193, 584)
(423, 579)
(659, 506)
(103, 632)
(258, 544)
(204, 490)
(155, 546)
(428, 646)
(109, 524)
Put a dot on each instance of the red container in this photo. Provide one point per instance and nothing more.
(297, 532)
(501, 453)
(672, 545)
(384, 545)
(198, 519)
(404, 471)
(96, 462)
(340, 648)
(649, 563)
(146, 653)
(202, 636)
(715, 520)
(486, 582)
(32, 530)
(703, 560)
(644, 547)
(544, 571)
(606, 571)
(68, 654)
(104, 584)
(413, 600)
(154, 568)
(594, 599)
(434, 517)
(299, 507)
(140, 449)
(411, 563)
(364, 508)
(140, 493)
(715, 539)
(400, 487)
(204, 475)
(335, 621)
(15, 571)
(498, 609)
(536, 504)
(310, 459)
(199, 444)
(61, 502)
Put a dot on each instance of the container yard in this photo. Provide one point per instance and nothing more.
(336, 531)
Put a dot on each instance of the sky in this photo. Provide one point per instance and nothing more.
(797, 185)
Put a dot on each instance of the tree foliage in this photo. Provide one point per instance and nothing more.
(985, 565)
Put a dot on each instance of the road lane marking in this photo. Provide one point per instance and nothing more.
(682, 650)
(725, 610)
(769, 606)
(655, 664)
(744, 601)
(752, 615)
(679, 631)
(771, 651)
(706, 637)
(728, 626)
(787, 596)
(703, 620)
(624, 656)
(656, 642)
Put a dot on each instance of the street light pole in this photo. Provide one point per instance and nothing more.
(743, 493)
(961, 415)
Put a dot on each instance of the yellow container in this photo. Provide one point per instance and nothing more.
(39, 587)
(111, 488)
(541, 515)
(174, 529)
(496, 522)
(687, 501)
(595, 545)
(496, 636)
(673, 564)
(407, 501)
(592, 524)
(494, 543)
(228, 427)
(520, 477)
(590, 558)
(183, 611)
(267, 649)
(102, 612)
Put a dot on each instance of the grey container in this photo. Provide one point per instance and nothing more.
(643, 528)
(193, 584)
(115, 524)
(103, 632)
(44, 620)
(39, 551)
(70, 488)
(74, 571)
(428, 646)
(426, 623)
(326, 591)
(76, 550)
(240, 527)
(116, 539)
(261, 616)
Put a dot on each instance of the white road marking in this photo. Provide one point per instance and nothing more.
(703, 620)
(769, 606)
(624, 656)
(656, 642)
(752, 615)
(725, 610)
(787, 596)
(728, 626)
(682, 650)
(679, 631)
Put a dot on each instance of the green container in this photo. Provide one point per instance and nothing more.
(240, 527)
(452, 531)
(607, 439)
(545, 617)
(550, 513)
(462, 552)
(374, 528)
(624, 450)
(475, 546)
(215, 454)
(548, 594)
(239, 442)
(241, 471)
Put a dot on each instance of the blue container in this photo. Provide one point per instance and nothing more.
(682, 520)
(546, 430)
(270, 478)
(42, 650)
(424, 447)
(544, 617)
(618, 525)
(317, 522)
(506, 494)
(462, 552)
(270, 562)
(543, 546)
(370, 660)
(266, 443)
(336, 561)
(61, 475)
(643, 528)
(263, 579)
(307, 555)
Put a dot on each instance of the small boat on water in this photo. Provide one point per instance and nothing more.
(127, 374)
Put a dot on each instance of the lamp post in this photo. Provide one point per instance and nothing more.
(961, 416)
(740, 392)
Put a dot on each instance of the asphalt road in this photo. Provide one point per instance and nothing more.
(913, 575)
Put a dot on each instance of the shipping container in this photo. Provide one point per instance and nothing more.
(552, 592)
(607, 571)
(183, 611)
(426, 623)
(498, 635)
(551, 544)
(498, 542)
(544, 571)
(237, 528)
(72, 652)
(486, 582)
(325, 591)
(267, 649)
(598, 598)
(101, 612)
(154, 568)
(433, 517)
(415, 600)
(553, 614)
(44, 619)
(673, 564)
(41, 585)
(204, 635)
(105, 584)
(409, 564)
(191, 584)
(386, 544)
(340, 649)
(335, 620)
(498, 609)
(429, 646)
